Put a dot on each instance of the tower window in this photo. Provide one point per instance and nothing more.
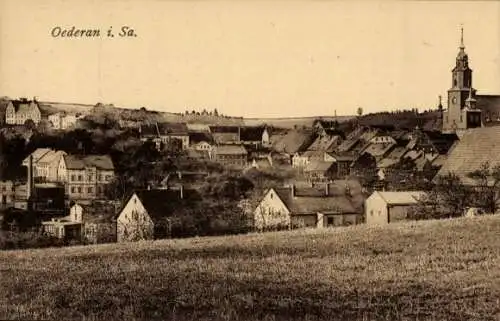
(461, 118)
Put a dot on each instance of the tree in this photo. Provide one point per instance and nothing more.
(216, 113)
(452, 194)
(487, 189)
(359, 111)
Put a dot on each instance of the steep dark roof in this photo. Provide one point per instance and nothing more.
(313, 204)
(224, 129)
(103, 162)
(442, 142)
(160, 203)
(251, 134)
(197, 137)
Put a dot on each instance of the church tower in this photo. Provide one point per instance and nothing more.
(455, 117)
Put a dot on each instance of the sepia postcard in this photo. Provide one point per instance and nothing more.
(249, 160)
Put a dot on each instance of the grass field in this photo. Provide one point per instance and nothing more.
(432, 270)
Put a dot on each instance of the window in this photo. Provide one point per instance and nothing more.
(73, 190)
(90, 190)
(80, 178)
(73, 177)
(108, 177)
(371, 212)
(79, 189)
(89, 177)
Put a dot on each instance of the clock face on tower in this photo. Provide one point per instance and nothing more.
(454, 100)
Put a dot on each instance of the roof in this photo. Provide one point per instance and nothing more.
(318, 166)
(293, 141)
(97, 212)
(197, 137)
(342, 157)
(160, 203)
(325, 143)
(314, 204)
(164, 129)
(224, 129)
(38, 154)
(378, 149)
(102, 162)
(477, 146)
(230, 150)
(22, 105)
(401, 198)
(251, 134)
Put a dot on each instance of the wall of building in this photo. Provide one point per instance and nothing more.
(271, 213)
(399, 213)
(133, 222)
(376, 210)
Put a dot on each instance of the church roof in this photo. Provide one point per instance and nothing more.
(477, 146)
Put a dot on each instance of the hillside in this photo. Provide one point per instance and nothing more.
(432, 270)
(128, 113)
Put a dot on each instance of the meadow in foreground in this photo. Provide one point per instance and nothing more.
(431, 270)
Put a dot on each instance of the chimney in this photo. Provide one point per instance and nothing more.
(327, 189)
(181, 190)
(293, 190)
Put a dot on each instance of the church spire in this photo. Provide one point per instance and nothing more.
(462, 46)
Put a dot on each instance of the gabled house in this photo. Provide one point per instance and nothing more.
(226, 134)
(230, 155)
(165, 133)
(387, 207)
(291, 207)
(325, 142)
(85, 177)
(252, 135)
(18, 112)
(201, 141)
(341, 164)
(146, 213)
(45, 163)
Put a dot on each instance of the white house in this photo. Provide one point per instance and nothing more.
(62, 121)
(387, 207)
(336, 204)
(45, 163)
(146, 214)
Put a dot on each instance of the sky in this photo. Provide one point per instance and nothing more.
(248, 58)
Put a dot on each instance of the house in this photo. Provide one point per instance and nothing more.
(301, 160)
(230, 155)
(62, 120)
(319, 171)
(226, 134)
(341, 164)
(252, 135)
(146, 213)
(45, 164)
(85, 177)
(63, 228)
(291, 207)
(18, 112)
(166, 133)
(201, 141)
(97, 221)
(326, 142)
(475, 148)
(387, 207)
(294, 141)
